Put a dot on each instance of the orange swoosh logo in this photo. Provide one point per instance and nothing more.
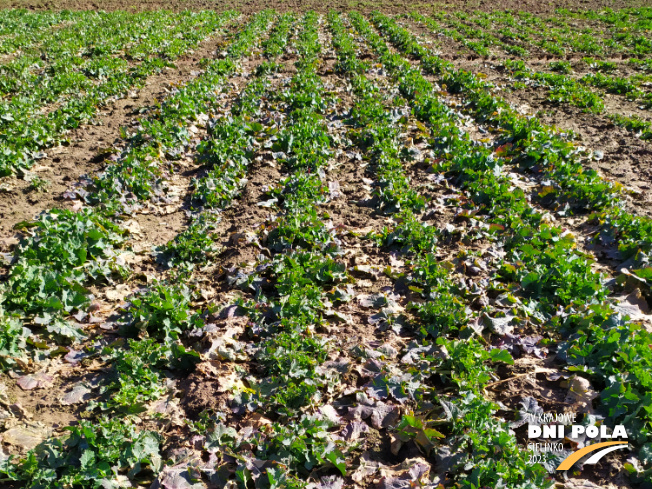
(574, 457)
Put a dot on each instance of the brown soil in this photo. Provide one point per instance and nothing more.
(626, 159)
(202, 394)
(66, 164)
(247, 6)
(353, 214)
(40, 407)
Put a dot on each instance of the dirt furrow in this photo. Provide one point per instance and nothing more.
(626, 159)
(90, 145)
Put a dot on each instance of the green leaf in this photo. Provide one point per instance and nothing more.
(87, 459)
(499, 355)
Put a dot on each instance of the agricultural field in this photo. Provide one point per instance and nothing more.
(329, 248)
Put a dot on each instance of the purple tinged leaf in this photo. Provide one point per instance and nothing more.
(354, 429)
(78, 394)
(37, 381)
(385, 415)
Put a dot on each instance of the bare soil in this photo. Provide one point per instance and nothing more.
(248, 6)
(352, 213)
(86, 152)
(626, 159)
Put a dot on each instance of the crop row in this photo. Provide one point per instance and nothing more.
(297, 285)
(570, 90)
(67, 250)
(162, 313)
(635, 19)
(521, 33)
(566, 89)
(227, 151)
(629, 28)
(79, 79)
(562, 87)
(542, 259)
(477, 40)
(539, 147)
(283, 315)
(441, 315)
(20, 29)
